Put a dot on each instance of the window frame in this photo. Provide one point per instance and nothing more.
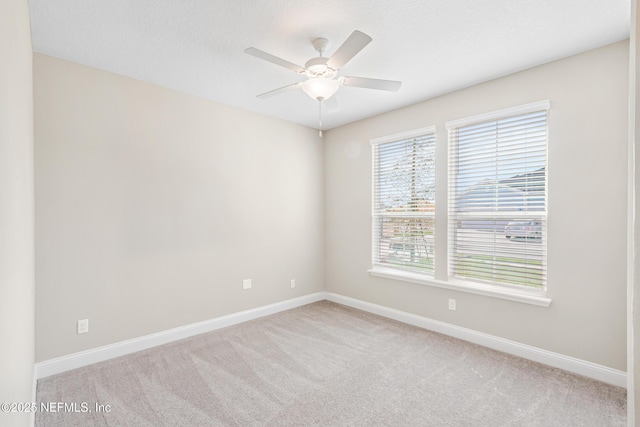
(443, 244)
(452, 216)
(429, 132)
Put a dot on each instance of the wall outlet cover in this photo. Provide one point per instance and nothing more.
(83, 326)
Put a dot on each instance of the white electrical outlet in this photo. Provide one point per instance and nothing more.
(246, 284)
(83, 326)
(452, 304)
(293, 283)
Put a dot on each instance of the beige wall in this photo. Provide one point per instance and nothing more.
(16, 209)
(152, 206)
(587, 165)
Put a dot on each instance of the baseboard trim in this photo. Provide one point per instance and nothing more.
(556, 360)
(122, 348)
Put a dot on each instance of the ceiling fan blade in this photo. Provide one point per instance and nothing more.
(279, 91)
(273, 59)
(331, 104)
(354, 44)
(390, 85)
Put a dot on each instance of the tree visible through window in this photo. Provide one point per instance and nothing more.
(404, 201)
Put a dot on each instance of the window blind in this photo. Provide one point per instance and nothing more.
(404, 202)
(498, 198)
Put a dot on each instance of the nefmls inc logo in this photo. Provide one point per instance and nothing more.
(81, 407)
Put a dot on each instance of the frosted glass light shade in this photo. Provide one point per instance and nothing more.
(320, 88)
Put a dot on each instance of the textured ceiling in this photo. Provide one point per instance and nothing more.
(432, 46)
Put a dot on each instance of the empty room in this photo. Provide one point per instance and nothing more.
(333, 213)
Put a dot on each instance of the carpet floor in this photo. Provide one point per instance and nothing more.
(329, 365)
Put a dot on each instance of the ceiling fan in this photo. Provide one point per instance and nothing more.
(321, 72)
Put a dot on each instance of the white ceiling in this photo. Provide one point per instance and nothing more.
(432, 46)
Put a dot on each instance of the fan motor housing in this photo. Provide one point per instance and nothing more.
(317, 67)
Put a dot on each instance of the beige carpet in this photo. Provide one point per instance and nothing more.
(329, 365)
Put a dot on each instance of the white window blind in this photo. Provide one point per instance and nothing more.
(498, 198)
(404, 201)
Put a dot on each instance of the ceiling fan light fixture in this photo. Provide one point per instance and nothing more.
(320, 88)
(321, 72)
(317, 67)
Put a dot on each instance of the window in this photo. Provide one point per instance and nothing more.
(496, 212)
(498, 198)
(404, 201)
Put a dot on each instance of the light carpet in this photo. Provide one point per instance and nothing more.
(330, 365)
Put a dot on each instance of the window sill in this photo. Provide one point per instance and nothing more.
(479, 289)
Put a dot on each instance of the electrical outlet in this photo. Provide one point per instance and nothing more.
(452, 304)
(293, 283)
(246, 284)
(83, 326)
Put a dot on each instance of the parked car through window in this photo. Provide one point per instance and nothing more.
(526, 229)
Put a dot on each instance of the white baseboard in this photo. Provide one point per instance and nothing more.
(100, 354)
(556, 360)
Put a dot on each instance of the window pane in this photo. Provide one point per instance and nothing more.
(497, 205)
(406, 243)
(406, 175)
(498, 250)
(404, 203)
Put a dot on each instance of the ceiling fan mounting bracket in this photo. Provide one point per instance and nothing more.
(320, 44)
